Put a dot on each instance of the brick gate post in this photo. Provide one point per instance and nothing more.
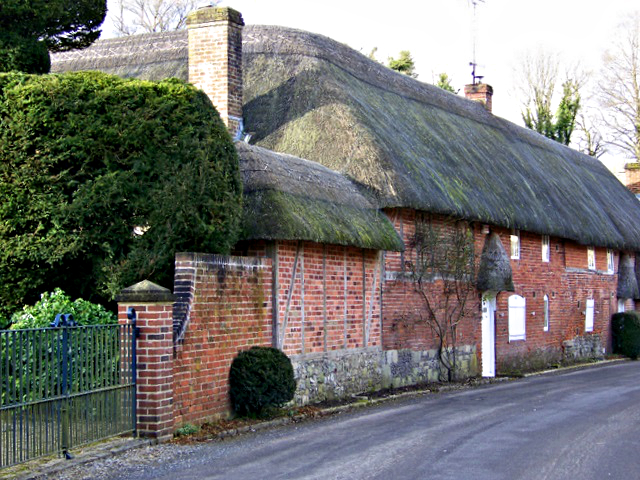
(153, 306)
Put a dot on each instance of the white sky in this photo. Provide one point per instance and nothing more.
(438, 33)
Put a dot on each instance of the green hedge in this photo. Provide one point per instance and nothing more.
(260, 378)
(103, 179)
(625, 327)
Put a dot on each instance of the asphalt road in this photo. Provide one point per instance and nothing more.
(581, 424)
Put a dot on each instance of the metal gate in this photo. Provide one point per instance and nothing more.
(63, 387)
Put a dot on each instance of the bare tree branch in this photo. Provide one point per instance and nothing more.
(620, 88)
(148, 16)
(443, 273)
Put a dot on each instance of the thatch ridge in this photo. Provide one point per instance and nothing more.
(149, 56)
(289, 198)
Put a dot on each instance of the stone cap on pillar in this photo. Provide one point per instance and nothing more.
(145, 292)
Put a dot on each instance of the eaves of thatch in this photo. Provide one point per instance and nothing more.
(415, 145)
(288, 198)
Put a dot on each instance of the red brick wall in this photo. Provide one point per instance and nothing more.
(565, 279)
(225, 306)
(403, 306)
(325, 310)
(568, 283)
(230, 312)
(334, 304)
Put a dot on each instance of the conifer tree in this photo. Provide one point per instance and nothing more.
(30, 29)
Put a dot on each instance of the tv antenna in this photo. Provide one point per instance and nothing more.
(473, 64)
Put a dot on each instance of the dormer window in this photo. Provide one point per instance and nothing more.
(591, 258)
(515, 245)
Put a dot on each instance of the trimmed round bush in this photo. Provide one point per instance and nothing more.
(626, 333)
(260, 378)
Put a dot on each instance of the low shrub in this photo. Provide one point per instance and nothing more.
(260, 378)
(186, 430)
(44, 311)
(626, 333)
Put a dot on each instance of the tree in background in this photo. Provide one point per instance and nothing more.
(148, 16)
(444, 82)
(102, 180)
(29, 30)
(539, 81)
(589, 139)
(620, 89)
(403, 64)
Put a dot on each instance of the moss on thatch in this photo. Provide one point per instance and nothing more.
(415, 145)
(287, 198)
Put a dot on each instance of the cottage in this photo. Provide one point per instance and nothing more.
(344, 161)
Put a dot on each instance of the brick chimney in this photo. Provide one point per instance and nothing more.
(215, 61)
(480, 92)
(632, 177)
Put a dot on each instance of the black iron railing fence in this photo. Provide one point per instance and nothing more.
(62, 387)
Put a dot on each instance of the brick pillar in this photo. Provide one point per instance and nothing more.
(215, 60)
(153, 306)
(480, 92)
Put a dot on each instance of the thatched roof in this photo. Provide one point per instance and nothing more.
(408, 143)
(151, 56)
(415, 145)
(286, 197)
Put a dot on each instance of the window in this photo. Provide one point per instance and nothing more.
(621, 305)
(515, 245)
(545, 248)
(591, 258)
(546, 313)
(610, 264)
(517, 316)
(588, 315)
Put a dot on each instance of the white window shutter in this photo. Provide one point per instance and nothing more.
(588, 323)
(517, 317)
